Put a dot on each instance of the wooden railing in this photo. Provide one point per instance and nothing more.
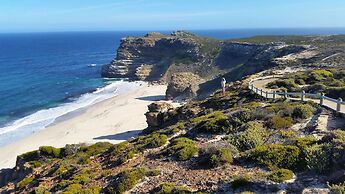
(335, 104)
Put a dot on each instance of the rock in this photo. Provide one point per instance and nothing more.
(184, 85)
(158, 114)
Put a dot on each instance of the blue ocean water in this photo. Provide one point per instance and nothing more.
(46, 75)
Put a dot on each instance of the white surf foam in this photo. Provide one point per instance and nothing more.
(41, 119)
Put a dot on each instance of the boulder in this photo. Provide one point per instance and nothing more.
(184, 85)
(158, 114)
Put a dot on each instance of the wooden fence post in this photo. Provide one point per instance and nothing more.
(302, 95)
(274, 95)
(340, 100)
(267, 94)
(321, 98)
(285, 94)
(261, 92)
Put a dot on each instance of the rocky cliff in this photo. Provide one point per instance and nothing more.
(157, 57)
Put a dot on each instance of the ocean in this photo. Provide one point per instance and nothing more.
(44, 76)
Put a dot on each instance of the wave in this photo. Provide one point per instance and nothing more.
(43, 118)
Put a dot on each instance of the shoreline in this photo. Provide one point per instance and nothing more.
(112, 120)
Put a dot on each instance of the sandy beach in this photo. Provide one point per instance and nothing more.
(113, 120)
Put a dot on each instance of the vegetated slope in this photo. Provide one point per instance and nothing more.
(156, 57)
(234, 143)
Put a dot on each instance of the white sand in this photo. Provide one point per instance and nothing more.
(113, 120)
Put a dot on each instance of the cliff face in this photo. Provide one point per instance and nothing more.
(158, 57)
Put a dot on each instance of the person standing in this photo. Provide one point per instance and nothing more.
(223, 84)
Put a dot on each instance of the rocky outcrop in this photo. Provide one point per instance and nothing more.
(184, 85)
(158, 114)
(149, 57)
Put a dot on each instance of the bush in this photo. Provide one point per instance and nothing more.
(29, 156)
(303, 111)
(24, 183)
(154, 172)
(154, 140)
(317, 158)
(337, 189)
(254, 135)
(281, 175)
(35, 164)
(288, 84)
(41, 190)
(96, 148)
(183, 148)
(127, 180)
(171, 188)
(241, 181)
(303, 142)
(277, 156)
(213, 156)
(212, 123)
(126, 156)
(278, 122)
(50, 151)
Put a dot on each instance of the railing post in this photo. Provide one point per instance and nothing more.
(340, 100)
(267, 94)
(257, 90)
(321, 98)
(261, 92)
(303, 94)
(274, 95)
(285, 94)
(252, 86)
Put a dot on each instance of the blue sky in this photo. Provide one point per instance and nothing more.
(99, 15)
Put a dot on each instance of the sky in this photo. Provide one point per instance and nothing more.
(121, 15)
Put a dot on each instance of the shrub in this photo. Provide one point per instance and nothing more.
(323, 73)
(337, 189)
(303, 111)
(254, 135)
(214, 156)
(171, 188)
(303, 142)
(73, 188)
(241, 181)
(50, 151)
(281, 175)
(183, 148)
(24, 183)
(278, 122)
(127, 180)
(317, 158)
(277, 156)
(35, 164)
(212, 123)
(289, 84)
(60, 170)
(96, 148)
(126, 156)
(29, 156)
(41, 190)
(154, 172)
(155, 140)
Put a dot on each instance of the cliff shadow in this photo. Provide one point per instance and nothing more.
(152, 98)
(120, 136)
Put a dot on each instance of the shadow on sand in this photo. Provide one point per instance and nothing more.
(120, 136)
(152, 98)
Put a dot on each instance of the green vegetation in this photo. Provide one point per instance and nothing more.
(183, 148)
(281, 175)
(303, 111)
(154, 140)
(25, 182)
(276, 156)
(304, 142)
(278, 122)
(29, 156)
(35, 164)
(215, 156)
(172, 188)
(254, 135)
(317, 158)
(241, 181)
(337, 188)
(50, 151)
(127, 180)
(212, 123)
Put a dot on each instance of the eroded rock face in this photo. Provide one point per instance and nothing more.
(184, 85)
(158, 114)
(148, 58)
